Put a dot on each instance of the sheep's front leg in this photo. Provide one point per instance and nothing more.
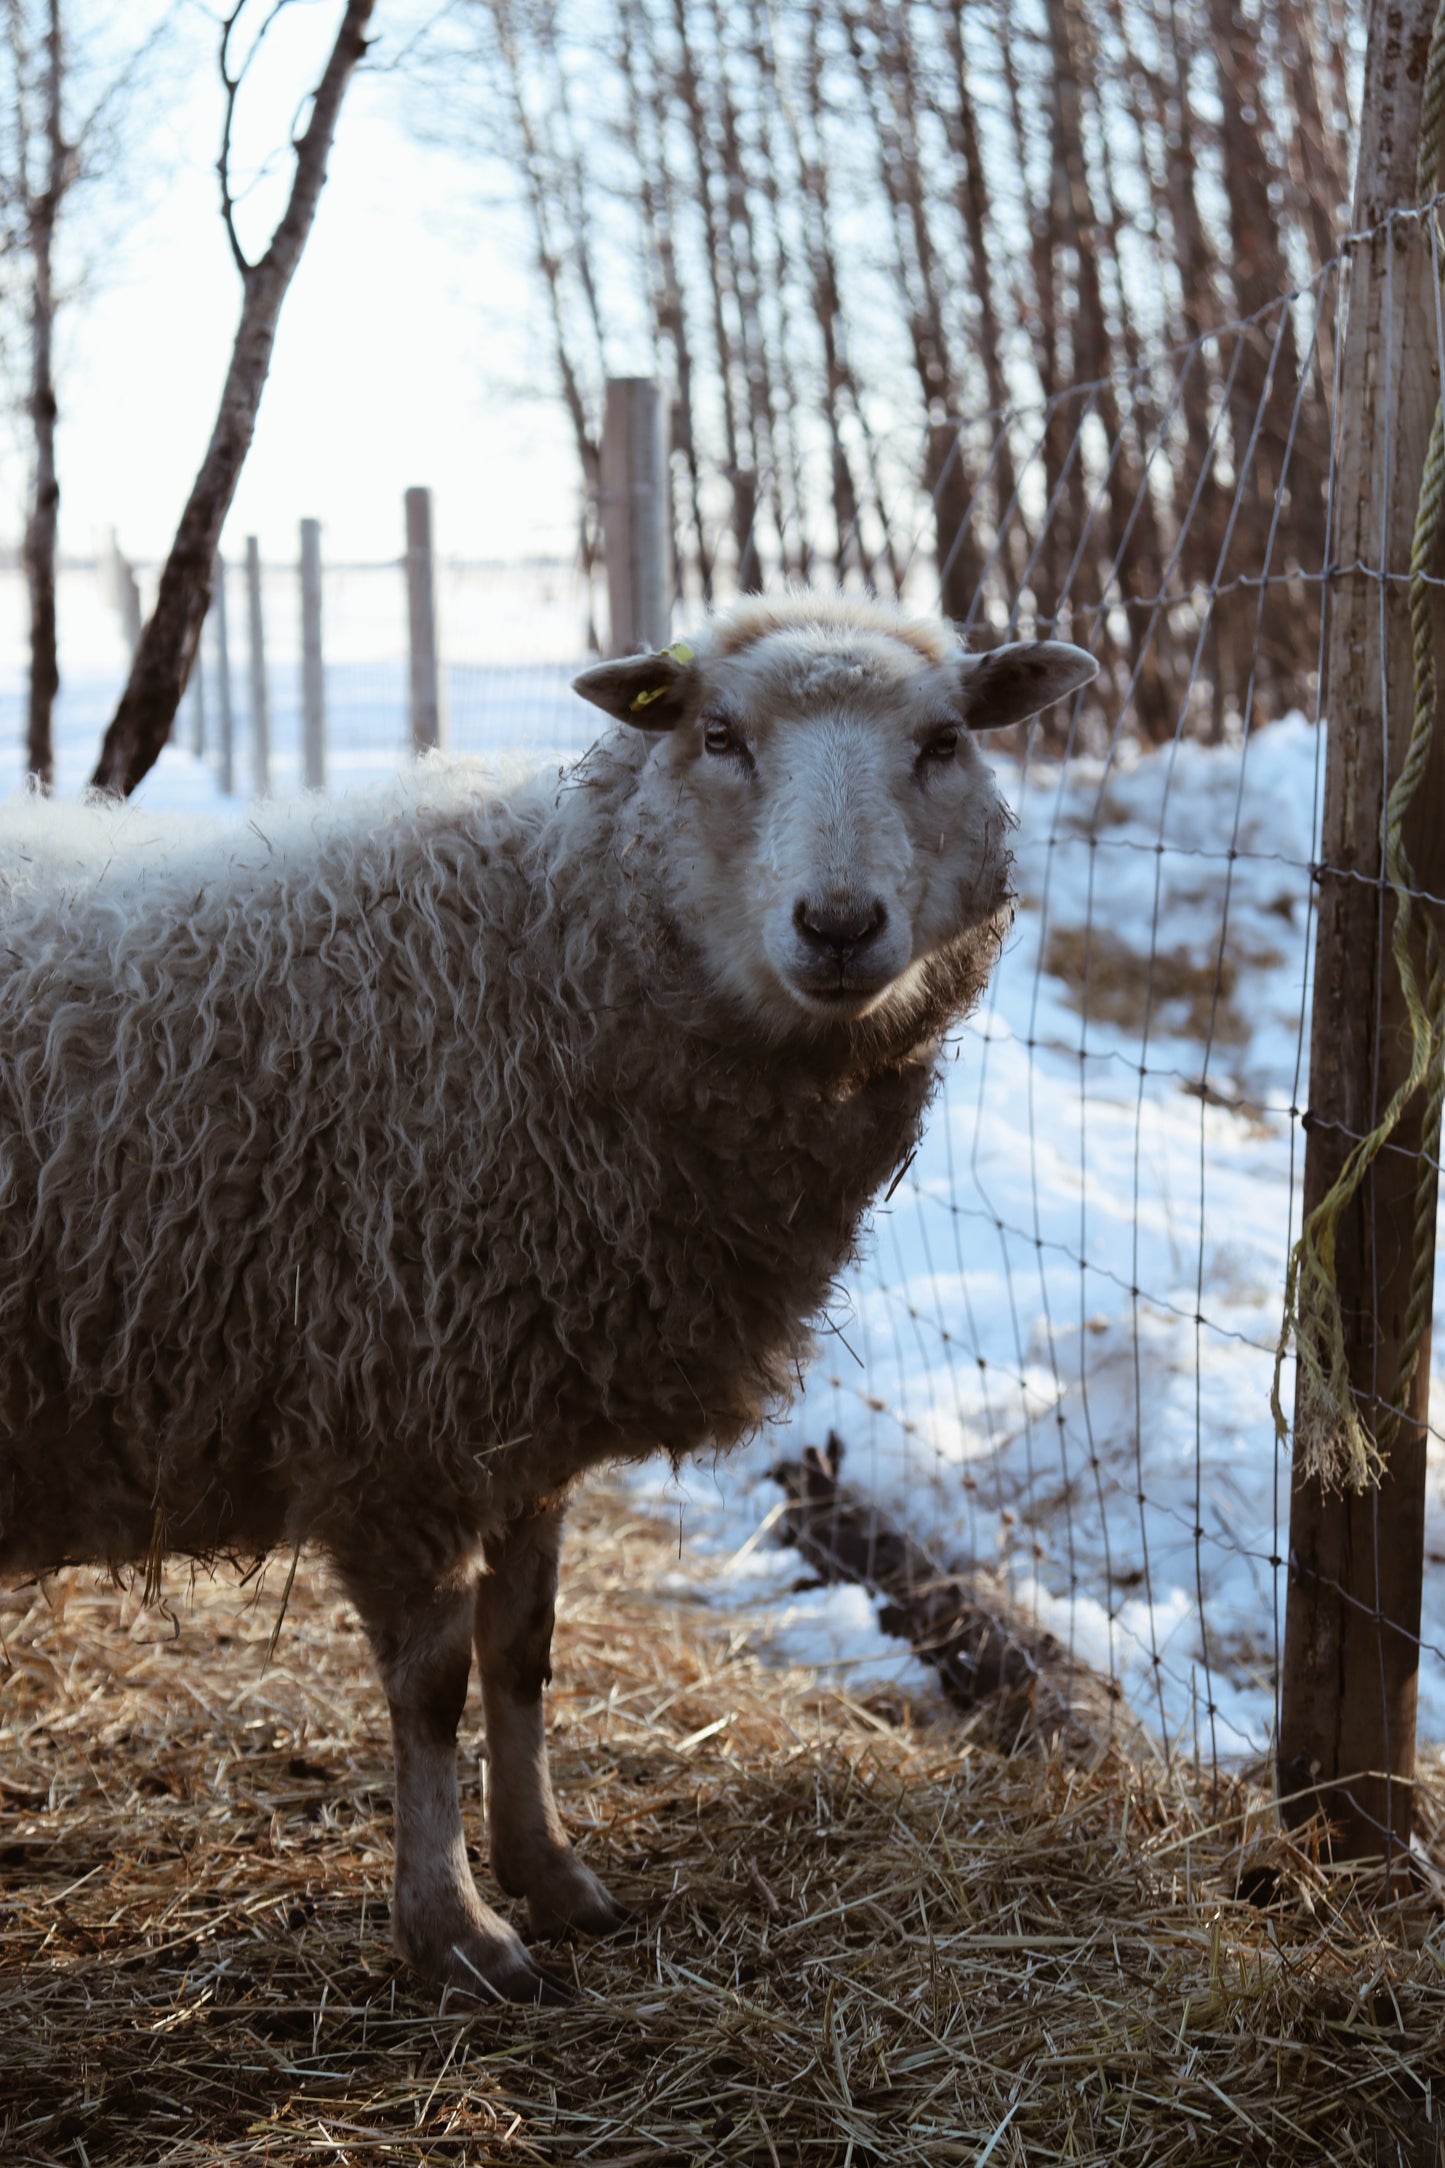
(439, 1922)
(531, 1857)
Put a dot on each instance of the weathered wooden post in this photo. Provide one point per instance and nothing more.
(260, 706)
(421, 611)
(313, 675)
(1351, 1653)
(225, 720)
(635, 514)
(196, 700)
(121, 589)
(130, 609)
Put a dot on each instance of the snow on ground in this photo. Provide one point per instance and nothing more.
(1057, 1351)
(1058, 1348)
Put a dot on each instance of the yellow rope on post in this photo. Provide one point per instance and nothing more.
(1335, 1446)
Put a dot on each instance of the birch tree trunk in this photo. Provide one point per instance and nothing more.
(162, 664)
(41, 211)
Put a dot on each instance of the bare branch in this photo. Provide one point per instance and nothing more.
(231, 83)
(90, 124)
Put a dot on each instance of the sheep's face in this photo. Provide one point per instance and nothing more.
(830, 822)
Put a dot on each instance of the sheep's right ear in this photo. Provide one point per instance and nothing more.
(648, 691)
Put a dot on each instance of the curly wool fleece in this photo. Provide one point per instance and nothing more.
(366, 1181)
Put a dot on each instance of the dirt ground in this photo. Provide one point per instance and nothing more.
(864, 1934)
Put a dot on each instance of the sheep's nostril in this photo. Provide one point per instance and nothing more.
(841, 927)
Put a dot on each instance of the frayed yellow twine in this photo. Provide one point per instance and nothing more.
(1333, 1444)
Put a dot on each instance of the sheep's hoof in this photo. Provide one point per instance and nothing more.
(518, 1978)
(479, 1955)
(565, 1897)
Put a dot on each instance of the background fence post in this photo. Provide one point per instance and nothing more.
(1351, 1653)
(120, 588)
(225, 720)
(260, 710)
(636, 524)
(313, 675)
(421, 610)
(196, 698)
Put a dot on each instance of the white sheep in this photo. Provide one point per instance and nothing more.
(363, 1184)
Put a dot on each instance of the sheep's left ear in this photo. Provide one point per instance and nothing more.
(649, 691)
(1009, 683)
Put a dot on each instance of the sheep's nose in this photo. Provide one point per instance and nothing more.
(841, 925)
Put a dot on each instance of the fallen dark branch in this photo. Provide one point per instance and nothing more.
(987, 1652)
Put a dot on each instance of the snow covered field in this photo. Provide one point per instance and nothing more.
(1057, 1352)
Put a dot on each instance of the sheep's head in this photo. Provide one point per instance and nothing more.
(831, 825)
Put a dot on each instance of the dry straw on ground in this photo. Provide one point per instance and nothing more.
(866, 1935)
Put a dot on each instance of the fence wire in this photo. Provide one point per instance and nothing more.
(1054, 1360)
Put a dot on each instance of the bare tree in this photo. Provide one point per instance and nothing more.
(38, 200)
(556, 205)
(167, 648)
(963, 283)
(61, 128)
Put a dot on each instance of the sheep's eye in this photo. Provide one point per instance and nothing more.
(719, 737)
(943, 744)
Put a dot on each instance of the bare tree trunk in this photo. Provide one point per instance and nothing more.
(163, 660)
(740, 467)
(1196, 266)
(971, 195)
(839, 381)
(1123, 536)
(882, 55)
(1322, 165)
(777, 287)
(548, 203)
(657, 202)
(41, 212)
(1262, 399)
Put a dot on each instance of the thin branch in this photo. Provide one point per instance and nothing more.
(119, 84)
(232, 87)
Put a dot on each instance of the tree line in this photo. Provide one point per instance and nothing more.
(1020, 308)
(1009, 299)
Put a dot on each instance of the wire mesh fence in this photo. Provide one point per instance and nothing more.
(1054, 1362)
(1064, 1340)
(511, 636)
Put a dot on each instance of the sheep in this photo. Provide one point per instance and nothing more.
(365, 1182)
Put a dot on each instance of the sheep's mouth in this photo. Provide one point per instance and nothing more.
(839, 1000)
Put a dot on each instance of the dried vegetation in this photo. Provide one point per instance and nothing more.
(866, 1934)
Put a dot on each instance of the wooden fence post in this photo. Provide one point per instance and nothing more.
(421, 610)
(226, 767)
(1352, 1622)
(196, 699)
(313, 675)
(120, 587)
(636, 522)
(260, 707)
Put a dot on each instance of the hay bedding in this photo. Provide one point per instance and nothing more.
(869, 1936)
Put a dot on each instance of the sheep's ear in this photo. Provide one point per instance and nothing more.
(649, 691)
(1009, 683)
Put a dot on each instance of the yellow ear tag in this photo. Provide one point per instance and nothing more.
(680, 652)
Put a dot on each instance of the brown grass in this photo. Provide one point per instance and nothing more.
(1180, 991)
(867, 1936)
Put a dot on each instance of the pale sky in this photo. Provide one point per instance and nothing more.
(407, 343)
